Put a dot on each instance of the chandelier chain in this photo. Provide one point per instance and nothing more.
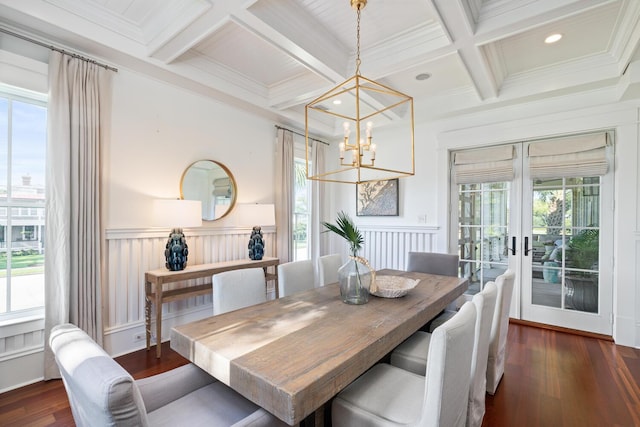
(358, 45)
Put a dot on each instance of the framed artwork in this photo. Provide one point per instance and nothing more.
(377, 198)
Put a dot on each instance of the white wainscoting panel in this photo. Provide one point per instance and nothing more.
(21, 354)
(130, 253)
(387, 247)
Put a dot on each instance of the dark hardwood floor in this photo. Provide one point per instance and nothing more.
(551, 378)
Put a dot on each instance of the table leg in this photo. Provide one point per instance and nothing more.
(317, 419)
(147, 313)
(158, 320)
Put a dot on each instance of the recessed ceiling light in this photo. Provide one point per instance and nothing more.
(423, 76)
(337, 102)
(553, 38)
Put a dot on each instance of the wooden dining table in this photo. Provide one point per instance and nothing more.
(292, 355)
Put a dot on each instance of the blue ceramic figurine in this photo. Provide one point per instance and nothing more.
(256, 244)
(176, 251)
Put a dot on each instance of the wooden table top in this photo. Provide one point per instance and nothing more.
(293, 354)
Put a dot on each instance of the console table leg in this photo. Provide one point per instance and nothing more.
(147, 313)
(158, 321)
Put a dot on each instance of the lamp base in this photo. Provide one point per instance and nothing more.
(256, 244)
(176, 250)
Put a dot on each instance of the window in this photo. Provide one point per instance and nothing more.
(302, 205)
(23, 132)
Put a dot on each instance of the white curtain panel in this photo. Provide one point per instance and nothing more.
(318, 246)
(78, 122)
(284, 194)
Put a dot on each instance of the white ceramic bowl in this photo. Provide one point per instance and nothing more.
(393, 286)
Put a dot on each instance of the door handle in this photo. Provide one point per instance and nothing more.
(512, 248)
(526, 246)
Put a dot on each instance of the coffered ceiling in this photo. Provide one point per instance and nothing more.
(277, 55)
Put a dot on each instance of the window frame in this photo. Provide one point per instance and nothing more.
(16, 94)
(299, 155)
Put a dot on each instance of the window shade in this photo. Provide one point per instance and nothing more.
(222, 187)
(494, 164)
(581, 155)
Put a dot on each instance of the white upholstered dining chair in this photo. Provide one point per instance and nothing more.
(237, 289)
(294, 277)
(499, 328)
(390, 396)
(413, 353)
(102, 393)
(328, 266)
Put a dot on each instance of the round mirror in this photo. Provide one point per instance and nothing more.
(212, 184)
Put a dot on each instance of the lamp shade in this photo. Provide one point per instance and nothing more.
(252, 214)
(177, 213)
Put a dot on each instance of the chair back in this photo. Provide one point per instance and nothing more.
(294, 277)
(237, 289)
(100, 391)
(433, 263)
(328, 266)
(499, 328)
(448, 367)
(485, 303)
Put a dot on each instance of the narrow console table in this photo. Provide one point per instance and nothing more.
(155, 280)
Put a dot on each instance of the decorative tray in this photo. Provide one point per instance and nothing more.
(393, 286)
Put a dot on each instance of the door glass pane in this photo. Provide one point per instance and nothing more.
(483, 230)
(566, 218)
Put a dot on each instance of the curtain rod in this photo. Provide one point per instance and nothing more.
(57, 49)
(301, 134)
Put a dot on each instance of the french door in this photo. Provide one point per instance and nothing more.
(553, 231)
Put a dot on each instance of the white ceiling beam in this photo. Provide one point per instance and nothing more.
(194, 32)
(288, 27)
(460, 27)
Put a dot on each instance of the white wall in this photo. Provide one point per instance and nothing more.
(158, 130)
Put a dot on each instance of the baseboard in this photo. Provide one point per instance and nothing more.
(128, 338)
(560, 329)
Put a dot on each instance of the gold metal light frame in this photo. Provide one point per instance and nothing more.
(363, 104)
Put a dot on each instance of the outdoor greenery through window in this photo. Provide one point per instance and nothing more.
(23, 132)
(566, 230)
(301, 211)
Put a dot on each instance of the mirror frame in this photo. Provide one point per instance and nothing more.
(232, 181)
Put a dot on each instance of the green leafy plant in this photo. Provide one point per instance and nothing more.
(582, 253)
(345, 228)
(584, 249)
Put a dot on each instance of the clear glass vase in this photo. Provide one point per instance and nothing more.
(355, 279)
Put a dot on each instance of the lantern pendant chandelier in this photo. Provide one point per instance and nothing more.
(355, 107)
